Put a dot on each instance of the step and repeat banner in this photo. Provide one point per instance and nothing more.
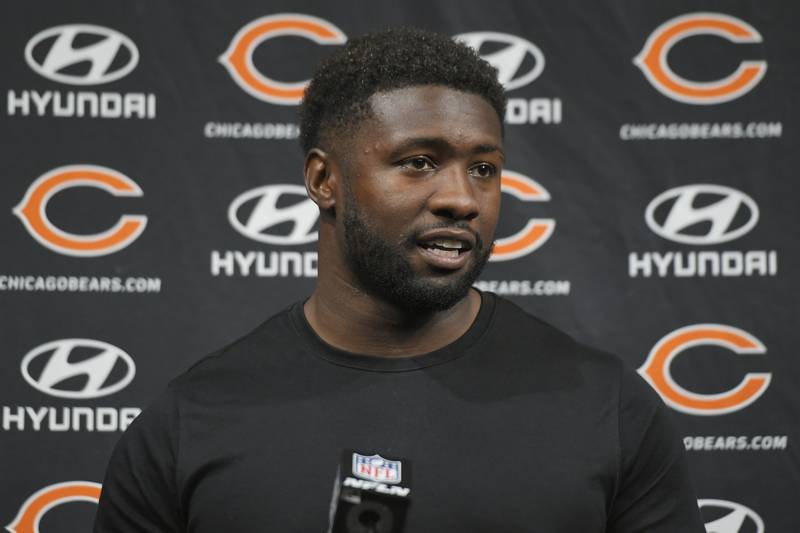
(152, 209)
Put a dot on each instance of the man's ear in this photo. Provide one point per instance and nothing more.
(321, 179)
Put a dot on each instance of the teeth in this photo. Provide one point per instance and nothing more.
(448, 243)
(444, 253)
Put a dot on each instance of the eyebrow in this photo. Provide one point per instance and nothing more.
(489, 148)
(437, 143)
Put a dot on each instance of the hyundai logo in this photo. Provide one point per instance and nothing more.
(78, 368)
(509, 58)
(255, 212)
(731, 517)
(701, 214)
(57, 54)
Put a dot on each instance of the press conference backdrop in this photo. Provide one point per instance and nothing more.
(153, 210)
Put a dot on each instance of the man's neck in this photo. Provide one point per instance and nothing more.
(351, 319)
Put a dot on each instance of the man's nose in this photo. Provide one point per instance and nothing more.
(454, 197)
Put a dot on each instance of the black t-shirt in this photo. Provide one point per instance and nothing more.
(514, 427)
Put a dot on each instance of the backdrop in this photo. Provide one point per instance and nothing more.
(152, 210)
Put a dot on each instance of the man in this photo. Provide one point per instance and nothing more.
(508, 424)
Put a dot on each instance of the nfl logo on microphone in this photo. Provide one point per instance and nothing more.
(376, 468)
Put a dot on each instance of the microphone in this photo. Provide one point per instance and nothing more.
(370, 494)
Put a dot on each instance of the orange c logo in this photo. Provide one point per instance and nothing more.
(656, 370)
(653, 59)
(31, 512)
(32, 210)
(536, 231)
(238, 58)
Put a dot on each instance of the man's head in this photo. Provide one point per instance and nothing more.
(403, 134)
(336, 100)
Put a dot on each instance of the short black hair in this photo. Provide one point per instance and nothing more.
(337, 97)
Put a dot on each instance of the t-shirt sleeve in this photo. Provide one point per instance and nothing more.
(139, 491)
(654, 492)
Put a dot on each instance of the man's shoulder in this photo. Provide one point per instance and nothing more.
(531, 336)
(546, 350)
(255, 353)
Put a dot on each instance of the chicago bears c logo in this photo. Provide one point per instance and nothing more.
(536, 232)
(656, 369)
(653, 59)
(31, 512)
(238, 58)
(32, 210)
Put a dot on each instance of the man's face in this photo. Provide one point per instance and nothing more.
(422, 195)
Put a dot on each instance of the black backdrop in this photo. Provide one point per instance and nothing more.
(154, 211)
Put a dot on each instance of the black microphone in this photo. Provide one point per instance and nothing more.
(371, 494)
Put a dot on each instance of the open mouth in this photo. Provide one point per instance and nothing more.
(448, 248)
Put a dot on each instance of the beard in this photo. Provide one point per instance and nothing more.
(385, 271)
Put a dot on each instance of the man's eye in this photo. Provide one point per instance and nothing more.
(418, 163)
(483, 170)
